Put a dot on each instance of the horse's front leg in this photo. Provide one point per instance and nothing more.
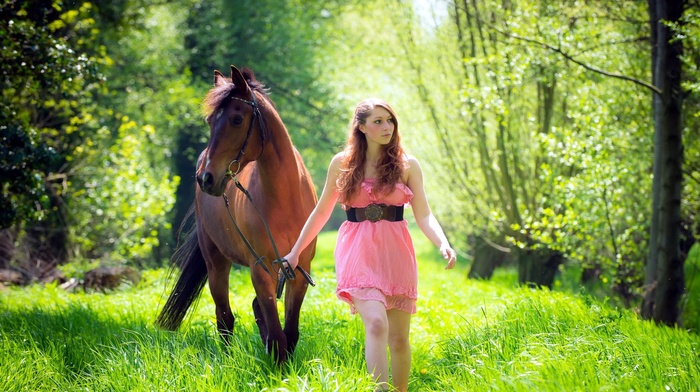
(294, 297)
(266, 316)
(218, 268)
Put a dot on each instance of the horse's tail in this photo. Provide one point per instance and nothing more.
(193, 276)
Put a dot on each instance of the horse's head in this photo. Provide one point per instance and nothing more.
(236, 130)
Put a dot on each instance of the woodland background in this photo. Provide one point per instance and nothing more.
(558, 137)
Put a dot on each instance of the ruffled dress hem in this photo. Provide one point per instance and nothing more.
(401, 302)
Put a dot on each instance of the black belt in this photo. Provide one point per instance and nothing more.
(374, 213)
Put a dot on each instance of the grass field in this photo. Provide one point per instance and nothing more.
(467, 336)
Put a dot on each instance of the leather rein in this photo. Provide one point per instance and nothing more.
(287, 272)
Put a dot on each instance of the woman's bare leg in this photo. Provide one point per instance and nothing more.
(374, 318)
(399, 347)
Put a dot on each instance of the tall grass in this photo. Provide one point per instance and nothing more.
(467, 335)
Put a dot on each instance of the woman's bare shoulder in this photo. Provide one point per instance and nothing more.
(411, 163)
(336, 163)
(338, 159)
(339, 156)
(412, 167)
(410, 160)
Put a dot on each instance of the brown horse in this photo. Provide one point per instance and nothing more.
(249, 143)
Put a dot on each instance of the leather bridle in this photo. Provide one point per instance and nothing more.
(256, 115)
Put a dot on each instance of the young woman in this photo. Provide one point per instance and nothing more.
(375, 262)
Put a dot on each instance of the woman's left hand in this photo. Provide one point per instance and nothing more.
(448, 254)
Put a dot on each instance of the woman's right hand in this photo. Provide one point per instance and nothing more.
(291, 259)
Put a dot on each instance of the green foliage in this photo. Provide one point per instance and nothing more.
(47, 78)
(530, 149)
(690, 304)
(83, 166)
(689, 32)
(23, 161)
(596, 162)
(152, 87)
(123, 201)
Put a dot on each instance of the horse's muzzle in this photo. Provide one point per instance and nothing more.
(208, 184)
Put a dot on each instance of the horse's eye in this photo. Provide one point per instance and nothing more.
(237, 120)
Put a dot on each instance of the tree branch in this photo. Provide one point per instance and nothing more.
(581, 63)
(586, 18)
(691, 4)
(621, 42)
(691, 175)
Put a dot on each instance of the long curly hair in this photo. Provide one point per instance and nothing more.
(391, 164)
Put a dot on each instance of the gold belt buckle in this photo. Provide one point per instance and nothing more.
(374, 212)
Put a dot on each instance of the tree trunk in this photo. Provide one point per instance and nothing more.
(185, 165)
(664, 273)
(537, 268)
(7, 246)
(487, 257)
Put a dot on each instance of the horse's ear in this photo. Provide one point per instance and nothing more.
(219, 78)
(239, 80)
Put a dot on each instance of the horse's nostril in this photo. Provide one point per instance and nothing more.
(205, 180)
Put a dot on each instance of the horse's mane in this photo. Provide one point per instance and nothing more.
(218, 94)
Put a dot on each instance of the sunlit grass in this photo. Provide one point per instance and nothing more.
(467, 335)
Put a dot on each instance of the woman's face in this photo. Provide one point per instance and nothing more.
(379, 126)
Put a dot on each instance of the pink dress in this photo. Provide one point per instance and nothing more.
(376, 260)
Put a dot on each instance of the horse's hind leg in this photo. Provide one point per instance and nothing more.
(218, 268)
(266, 316)
(294, 297)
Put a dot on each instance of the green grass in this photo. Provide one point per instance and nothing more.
(467, 335)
